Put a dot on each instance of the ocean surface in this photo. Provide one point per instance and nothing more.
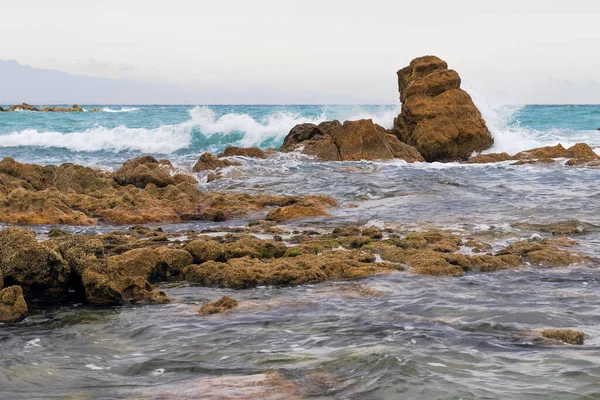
(427, 338)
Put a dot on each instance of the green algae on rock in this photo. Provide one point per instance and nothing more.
(225, 303)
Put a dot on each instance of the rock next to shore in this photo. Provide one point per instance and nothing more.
(438, 118)
(142, 190)
(577, 154)
(12, 304)
(350, 141)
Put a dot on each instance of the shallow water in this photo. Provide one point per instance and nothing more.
(426, 338)
(433, 338)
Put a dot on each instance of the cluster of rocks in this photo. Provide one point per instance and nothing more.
(438, 122)
(29, 107)
(120, 267)
(578, 154)
(143, 190)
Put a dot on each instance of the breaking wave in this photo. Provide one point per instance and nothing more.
(206, 129)
(120, 110)
(203, 122)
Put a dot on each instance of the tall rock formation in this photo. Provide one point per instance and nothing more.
(438, 118)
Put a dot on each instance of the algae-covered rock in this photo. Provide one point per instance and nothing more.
(569, 336)
(245, 272)
(12, 304)
(223, 304)
(41, 272)
(541, 254)
(294, 212)
(203, 250)
(142, 171)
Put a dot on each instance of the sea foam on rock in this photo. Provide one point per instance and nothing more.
(350, 141)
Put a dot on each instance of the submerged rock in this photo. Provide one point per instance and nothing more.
(12, 304)
(252, 152)
(208, 162)
(569, 336)
(350, 141)
(223, 304)
(438, 118)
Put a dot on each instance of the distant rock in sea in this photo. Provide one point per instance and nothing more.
(29, 107)
(438, 118)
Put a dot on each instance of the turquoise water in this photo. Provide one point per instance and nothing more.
(182, 133)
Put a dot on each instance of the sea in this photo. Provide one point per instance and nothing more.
(427, 338)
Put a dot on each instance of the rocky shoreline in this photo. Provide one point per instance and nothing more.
(438, 123)
(28, 107)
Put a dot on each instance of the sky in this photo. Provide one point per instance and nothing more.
(326, 51)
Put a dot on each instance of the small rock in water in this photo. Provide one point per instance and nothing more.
(223, 304)
(569, 336)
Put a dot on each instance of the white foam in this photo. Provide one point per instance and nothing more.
(94, 367)
(272, 126)
(120, 110)
(165, 139)
(170, 138)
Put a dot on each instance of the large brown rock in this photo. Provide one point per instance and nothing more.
(350, 141)
(438, 118)
(12, 304)
(40, 271)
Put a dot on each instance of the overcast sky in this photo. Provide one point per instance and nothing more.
(325, 51)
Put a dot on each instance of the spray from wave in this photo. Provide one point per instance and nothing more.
(204, 122)
(120, 110)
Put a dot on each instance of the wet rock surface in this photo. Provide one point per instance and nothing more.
(569, 336)
(438, 118)
(350, 141)
(118, 267)
(578, 154)
(225, 303)
(142, 190)
(12, 304)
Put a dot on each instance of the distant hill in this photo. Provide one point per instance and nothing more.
(22, 83)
